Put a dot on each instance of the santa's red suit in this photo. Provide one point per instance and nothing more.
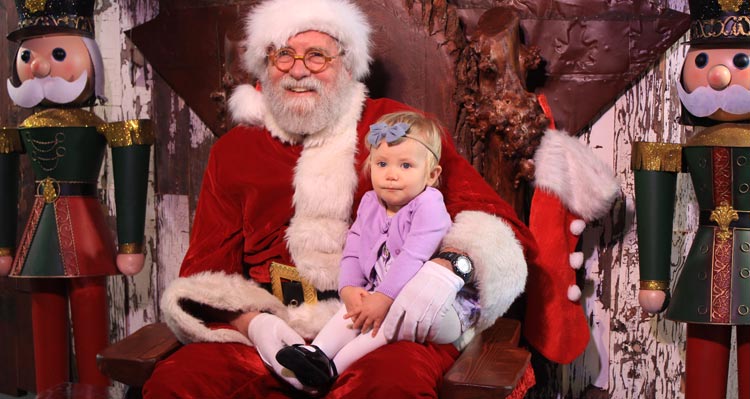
(269, 196)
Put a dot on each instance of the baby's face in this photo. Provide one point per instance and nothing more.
(400, 172)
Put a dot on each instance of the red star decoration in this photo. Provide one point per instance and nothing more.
(593, 51)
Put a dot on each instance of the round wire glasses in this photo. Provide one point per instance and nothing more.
(315, 60)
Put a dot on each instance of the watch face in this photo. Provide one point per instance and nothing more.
(463, 265)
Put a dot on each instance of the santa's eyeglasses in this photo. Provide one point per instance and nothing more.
(315, 60)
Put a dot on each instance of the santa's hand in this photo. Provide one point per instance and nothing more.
(130, 264)
(653, 301)
(268, 333)
(422, 302)
(6, 262)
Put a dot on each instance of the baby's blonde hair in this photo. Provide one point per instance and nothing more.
(427, 130)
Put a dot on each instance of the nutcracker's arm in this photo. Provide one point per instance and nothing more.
(655, 166)
(131, 150)
(10, 147)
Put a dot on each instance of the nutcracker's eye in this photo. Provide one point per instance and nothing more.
(58, 54)
(26, 56)
(741, 60)
(701, 60)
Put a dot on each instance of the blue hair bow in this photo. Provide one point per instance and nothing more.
(380, 131)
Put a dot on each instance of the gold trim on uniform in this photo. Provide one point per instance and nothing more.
(56, 117)
(6, 251)
(130, 248)
(661, 285)
(10, 141)
(723, 135)
(127, 133)
(723, 215)
(732, 26)
(730, 5)
(280, 271)
(658, 157)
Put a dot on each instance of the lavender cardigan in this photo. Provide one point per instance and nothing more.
(412, 236)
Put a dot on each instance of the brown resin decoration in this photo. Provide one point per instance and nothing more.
(592, 51)
(501, 123)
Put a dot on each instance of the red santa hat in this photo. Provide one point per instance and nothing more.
(273, 22)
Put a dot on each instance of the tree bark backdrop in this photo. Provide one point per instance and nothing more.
(631, 354)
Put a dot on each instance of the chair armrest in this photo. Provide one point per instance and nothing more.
(132, 360)
(490, 366)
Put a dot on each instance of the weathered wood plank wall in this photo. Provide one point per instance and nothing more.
(631, 355)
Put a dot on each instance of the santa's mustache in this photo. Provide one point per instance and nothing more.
(705, 101)
(55, 89)
(309, 83)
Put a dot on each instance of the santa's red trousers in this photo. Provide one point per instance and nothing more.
(218, 370)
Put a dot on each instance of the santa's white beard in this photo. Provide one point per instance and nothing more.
(309, 114)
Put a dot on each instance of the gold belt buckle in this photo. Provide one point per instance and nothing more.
(48, 188)
(723, 215)
(280, 272)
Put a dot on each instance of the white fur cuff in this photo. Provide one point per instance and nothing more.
(218, 290)
(571, 171)
(500, 267)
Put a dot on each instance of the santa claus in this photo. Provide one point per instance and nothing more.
(278, 196)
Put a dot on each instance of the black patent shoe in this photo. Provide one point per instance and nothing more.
(312, 368)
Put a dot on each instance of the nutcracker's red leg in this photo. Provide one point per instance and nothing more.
(88, 303)
(49, 320)
(743, 361)
(707, 361)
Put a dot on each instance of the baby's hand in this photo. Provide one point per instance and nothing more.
(374, 308)
(352, 297)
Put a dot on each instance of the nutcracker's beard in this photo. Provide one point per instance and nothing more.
(54, 89)
(311, 112)
(705, 101)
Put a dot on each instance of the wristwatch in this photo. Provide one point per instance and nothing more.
(462, 264)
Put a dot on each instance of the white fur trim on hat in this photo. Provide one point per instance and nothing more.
(247, 106)
(500, 267)
(220, 291)
(569, 169)
(273, 22)
(577, 226)
(574, 293)
(576, 260)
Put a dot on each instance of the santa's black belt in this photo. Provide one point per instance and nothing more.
(743, 219)
(291, 289)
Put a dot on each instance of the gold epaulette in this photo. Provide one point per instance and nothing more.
(127, 133)
(10, 141)
(659, 157)
(723, 135)
(62, 117)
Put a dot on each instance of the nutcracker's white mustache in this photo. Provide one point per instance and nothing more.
(704, 101)
(55, 89)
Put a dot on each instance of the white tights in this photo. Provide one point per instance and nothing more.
(345, 345)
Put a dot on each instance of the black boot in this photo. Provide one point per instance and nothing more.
(311, 367)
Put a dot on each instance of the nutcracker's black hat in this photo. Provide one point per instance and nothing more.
(46, 17)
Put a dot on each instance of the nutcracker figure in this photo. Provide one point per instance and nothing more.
(67, 248)
(712, 293)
